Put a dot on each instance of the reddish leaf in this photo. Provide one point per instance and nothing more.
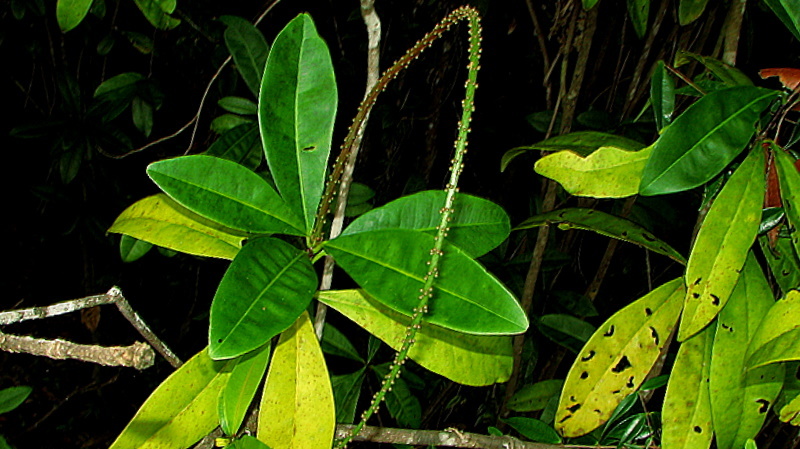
(790, 78)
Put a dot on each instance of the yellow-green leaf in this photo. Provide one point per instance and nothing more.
(161, 221)
(181, 410)
(467, 359)
(235, 398)
(776, 337)
(789, 180)
(741, 398)
(686, 414)
(297, 410)
(722, 243)
(609, 172)
(617, 359)
(791, 412)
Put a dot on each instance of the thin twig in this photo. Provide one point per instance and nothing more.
(373, 24)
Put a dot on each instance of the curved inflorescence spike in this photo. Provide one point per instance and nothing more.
(469, 14)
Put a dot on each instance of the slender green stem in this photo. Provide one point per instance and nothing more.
(437, 252)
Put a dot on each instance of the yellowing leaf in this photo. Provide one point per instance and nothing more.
(297, 410)
(791, 412)
(617, 359)
(686, 414)
(160, 221)
(467, 359)
(722, 243)
(776, 337)
(181, 410)
(609, 172)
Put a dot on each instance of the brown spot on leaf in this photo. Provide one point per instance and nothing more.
(622, 365)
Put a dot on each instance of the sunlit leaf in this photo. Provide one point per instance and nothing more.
(235, 398)
(583, 143)
(267, 286)
(161, 221)
(617, 359)
(777, 336)
(788, 12)
(477, 225)
(248, 48)
(297, 408)
(720, 249)
(391, 266)
(181, 410)
(247, 442)
(467, 359)
(297, 106)
(603, 224)
(686, 414)
(704, 139)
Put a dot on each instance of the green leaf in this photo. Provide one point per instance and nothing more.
(617, 359)
(132, 249)
(265, 289)
(662, 96)
(70, 13)
(704, 139)
(297, 408)
(334, 342)
(566, 330)
(247, 442)
(789, 180)
(238, 105)
(609, 172)
(783, 262)
(788, 12)
(142, 112)
(729, 75)
(13, 397)
(582, 143)
(248, 48)
(639, 11)
(241, 144)
(533, 429)
(589, 4)
(686, 414)
(181, 410)
(390, 265)
(720, 249)
(690, 10)
(534, 397)
(776, 338)
(161, 221)
(235, 398)
(400, 402)
(741, 398)
(125, 80)
(227, 122)
(603, 224)
(477, 225)
(297, 107)
(346, 391)
(225, 192)
(157, 12)
(467, 359)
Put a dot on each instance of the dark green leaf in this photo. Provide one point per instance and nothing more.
(238, 393)
(729, 75)
(639, 11)
(401, 403)
(335, 342)
(248, 48)
(225, 192)
(157, 12)
(782, 261)
(788, 12)
(241, 144)
(132, 249)
(534, 397)
(704, 139)
(13, 397)
(346, 391)
(662, 95)
(690, 10)
(142, 115)
(533, 429)
(227, 122)
(477, 227)
(268, 285)
(566, 330)
(70, 13)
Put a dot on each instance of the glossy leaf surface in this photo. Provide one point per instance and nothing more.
(265, 289)
(720, 249)
(390, 265)
(248, 48)
(741, 398)
(467, 359)
(686, 415)
(603, 224)
(297, 408)
(608, 172)
(225, 192)
(583, 143)
(297, 106)
(704, 139)
(70, 13)
(777, 337)
(181, 410)
(617, 359)
(662, 96)
(161, 221)
(477, 227)
(235, 398)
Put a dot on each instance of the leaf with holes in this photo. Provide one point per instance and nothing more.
(297, 408)
(617, 359)
(296, 109)
(161, 221)
(477, 225)
(720, 250)
(704, 139)
(777, 337)
(235, 398)
(489, 358)
(266, 287)
(603, 224)
(582, 143)
(686, 414)
(226, 192)
(741, 398)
